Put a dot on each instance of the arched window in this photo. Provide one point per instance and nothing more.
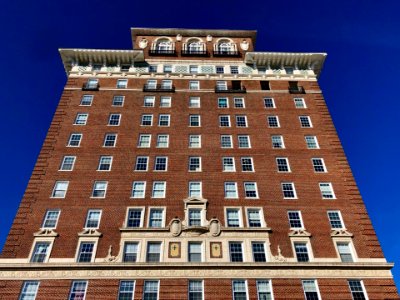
(225, 47)
(163, 46)
(194, 46)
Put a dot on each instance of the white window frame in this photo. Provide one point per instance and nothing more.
(255, 187)
(49, 241)
(46, 218)
(316, 287)
(202, 288)
(235, 190)
(248, 141)
(351, 249)
(141, 143)
(194, 102)
(111, 117)
(264, 248)
(72, 287)
(55, 189)
(238, 209)
(322, 164)
(269, 284)
(149, 214)
(83, 100)
(224, 116)
(122, 293)
(133, 189)
(272, 101)
(156, 163)
(194, 85)
(100, 163)
(144, 285)
(27, 292)
(118, 97)
(149, 101)
(223, 98)
(164, 190)
(241, 99)
(168, 120)
(191, 121)
(315, 140)
(252, 164)
(299, 100)
(191, 143)
(158, 143)
(93, 240)
(281, 142)
(241, 248)
(201, 251)
(302, 124)
(70, 139)
(87, 218)
(340, 219)
(160, 253)
(63, 163)
(137, 161)
(325, 189)
(142, 212)
(233, 288)
(246, 123)
(191, 190)
(109, 135)
(142, 119)
(230, 140)
(94, 189)
(224, 164)
(364, 291)
(305, 241)
(122, 83)
(293, 187)
(277, 122)
(300, 219)
(81, 119)
(165, 101)
(260, 213)
(199, 169)
(286, 164)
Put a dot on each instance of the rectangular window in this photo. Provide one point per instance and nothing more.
(40, 252)
(295, 221)
(93, 218)
(239, 290)
(85, 253)
(125, 68)
(311, 142)
(87, 100)
(194, 102)
(265, 86)
(238, 102)
(224, 121)
(195, 141)
(147, 120)
(228, 164)
(60, 189)
(78, 290)
(299, 103)
(167, 68)
(194, 164)
(144, 140)
(282, 164)
(301, 252)
(29, 290)
(194, 252)
(326, 190)
(219, 69)
(310, 290)
(344, 252)
(247, 164)
(194, 120)
(236, 252)
(67, 163)
(149, 101)
(159, 189)
(221, 85)
(151, 84)
(288, 190)
(105, 163)
(153, 252)
(75, 140)
(318, 165)
(305, 121)
(126, 290)
(162, 141)
(223, 103)
(118, 101)
(97, 67)
(141, 163)
(99, 189)
(92, 84)
(195, 290)
(264, 289)
(269, 103)
(273, 121)
(152, 68)
(165, 101)
(193, 69)
(150, 290)
(250, 190)
(226, 141)
(335, 219)
(233, 217)
(254, 217)
(161, 163)
(241, 121)
(138, 189)
(258, 252)
(277, 142)
(156, 216)
(51, 219)
(114, 120)
(194, 217)
(357, 290)
(110, 140)
(234, 69)
(163, 120)
(122, 83)
(231, 190)
(194, 85)
(195, 189)
(81, 119)
(134, 218)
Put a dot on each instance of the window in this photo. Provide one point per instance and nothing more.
(335, 219)
(60, 189)
(265, 86)
(165, 101)
(194, 164)
(233, 217)
(357, 290)
(87, 100)
(160, 163)
(228, 164)
(254, 217)
(118, 101)
(238, 102)
(221, 85)
(247, 164)
(114, 120)
(150, 290)
(78, 290)
(299, 103)
(29, 290)
(158, 189)
(236, 251)
(234, 69)
(144, 140)
(195, 289)
(295, 221)
(110, 140)
(310, 289)
(51, 219)
(258, 252)
(231, 190)
(194, 217)
(288, 190)
(85, 253)
(241, 121)
(153, 252)
(163, 120)
(147, 120)
(138, 189)
(277, 142)
(122, 83)
(92, 84)
(326, 190)
(194, 252)
(151, 84)
(219, 69)
(269, 103)
(289, 70)
(125, 68)
(149, 101)
(97, 67)
(134, 218)
(250, 190)
(156, 217)
(162, 141)
(224, 121)
(305, 121)
(226, 141)
(319, 165)
(75, 139)
(223, 103)
(141, 163)
(167, 68)
(273, 121)
(67, 163)
(40, 252)
(193, 69)
(99, 189)
(239, 289)
(194, 85)
(344, 252)
(81, 119)
(195, 141)
(264, 289)
(301, 252)
(195, 189)
(194, 102)
(194, 120)
(282, 164)
(312, 142)
(126, 290)
(152, 68)
(93, 218)
(105, 163)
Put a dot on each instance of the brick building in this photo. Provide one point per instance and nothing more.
(192, 167)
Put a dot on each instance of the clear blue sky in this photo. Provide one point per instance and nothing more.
(359, 80)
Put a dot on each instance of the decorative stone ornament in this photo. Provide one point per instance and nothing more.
(209, 38)
(179, 38)
(143, 43)
(215, 227)
(244, 45)
(175, 226)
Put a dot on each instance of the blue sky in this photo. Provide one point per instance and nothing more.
(359, 80)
